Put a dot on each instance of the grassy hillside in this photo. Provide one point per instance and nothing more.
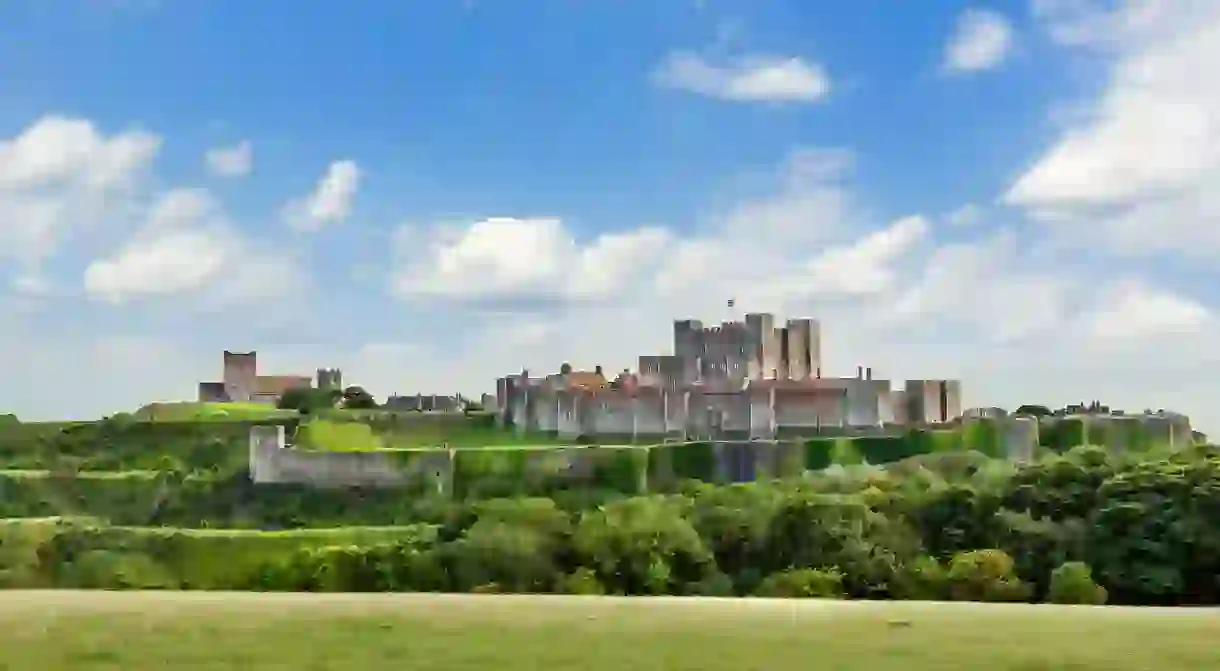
(80, 631)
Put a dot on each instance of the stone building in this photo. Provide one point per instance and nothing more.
(241, 383)
(742, 379)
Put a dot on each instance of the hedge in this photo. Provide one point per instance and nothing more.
(128, 444)
(68, 550)
(144, 498)
(509, 471)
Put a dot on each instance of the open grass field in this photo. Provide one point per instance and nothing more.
(57, 631)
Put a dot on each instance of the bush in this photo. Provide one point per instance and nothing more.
(106, 569)
(642, 546)
(806, 583)
(582, 582)
(1072, 583)
(923, 579)
(984, 575)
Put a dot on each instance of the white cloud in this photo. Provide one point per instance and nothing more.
(981, 40)
(234, 161)
(1133, 310)
(865, 266)
(187, 245)
(747, 79)
(57, 150)
(331, 200)
(1140, 171)
(533, 258)
(169, 263)
(62, 174)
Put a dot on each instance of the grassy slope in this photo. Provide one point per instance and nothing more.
(190, 411)
(55, 631)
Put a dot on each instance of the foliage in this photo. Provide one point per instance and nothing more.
(1072, 583)
(308, 399)
(984, 575)
(356, 398)
(1141, 527)
(806, 583)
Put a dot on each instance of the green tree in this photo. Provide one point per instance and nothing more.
(356, 398)
(307, 399)
(805, 583)
(642, 546)
(1153, 537)
(984, 575)
(1072, 583)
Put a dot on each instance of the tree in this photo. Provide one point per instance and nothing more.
(985, 575)
(803, 583)
(356, 398)
(1072, 583)
(307, 399)
(1033, 411)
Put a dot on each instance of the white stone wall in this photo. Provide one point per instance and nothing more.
(650, 414)
(1020, 438)
(271, 463)
(798, 411)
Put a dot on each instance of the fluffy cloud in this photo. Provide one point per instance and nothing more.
(1133, 311)
(331, 200)
(747, 79)
(186, 245)
(534, 259)
(1141, 170)
(61, 174)
(234, 161)
(981, 40)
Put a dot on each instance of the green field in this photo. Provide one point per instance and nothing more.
(58, 631)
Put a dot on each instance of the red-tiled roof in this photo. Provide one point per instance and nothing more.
(269, 385)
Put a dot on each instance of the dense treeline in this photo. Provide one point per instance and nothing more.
(1084, 527)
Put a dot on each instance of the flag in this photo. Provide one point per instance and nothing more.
(732, 302)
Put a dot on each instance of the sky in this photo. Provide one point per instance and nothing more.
(1023, 194)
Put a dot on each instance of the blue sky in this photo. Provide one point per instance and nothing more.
(950, 186)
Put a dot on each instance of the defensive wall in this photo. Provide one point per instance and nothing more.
(656, 467)
(765, 408)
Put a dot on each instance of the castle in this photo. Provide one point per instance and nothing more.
(241, 383)
(740, 379)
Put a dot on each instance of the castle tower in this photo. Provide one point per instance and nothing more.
(763, 344)
(330, 378)
(688, 338)
(802, 351)
(240, 371)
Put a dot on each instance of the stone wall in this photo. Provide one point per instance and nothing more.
(273, 462)
(511, 470)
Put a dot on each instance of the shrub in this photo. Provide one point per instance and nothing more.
(581, 582)
(514, 557)
(1072, 583)
(923, 579)
(984, 575)
(106, 569)
(642, 546)
(805, 583)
